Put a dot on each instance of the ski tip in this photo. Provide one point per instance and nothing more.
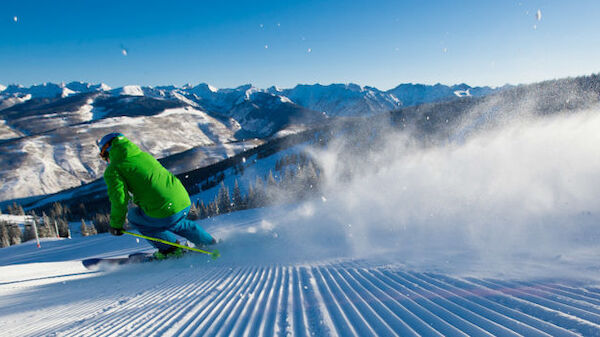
(215, 254)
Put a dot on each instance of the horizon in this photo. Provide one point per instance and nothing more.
(179, 86)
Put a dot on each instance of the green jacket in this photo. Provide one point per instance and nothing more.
(155, 190)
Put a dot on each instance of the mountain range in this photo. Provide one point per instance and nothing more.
(48, 131)
(333, 99)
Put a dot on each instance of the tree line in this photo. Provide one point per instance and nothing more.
(55, 224)
(296, 177)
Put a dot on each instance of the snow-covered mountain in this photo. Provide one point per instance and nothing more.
(342, 99)
(415, 94)
(335, 99)
(48, 131)
(49, 160)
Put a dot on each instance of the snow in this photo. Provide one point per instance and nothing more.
(6, 132)
(211, 88)
(14, 100)
(83, 87)
(129, 90)
(60, 166)
(2, 87)
(284, 99)
(15, 219)
(66, 92)
(104, 87)
(282, 270)
(186, 110)
(87, 111)
(293, 129)
(462, 93)
(342, 99)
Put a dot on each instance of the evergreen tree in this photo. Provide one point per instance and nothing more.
(194, 213)
(91, 229)
(250, 197)
(271, 180)
(101, 222)
(41, 230)
(203, 210)
(223, 200)
(238, 200)
(259, 196)
(4, 236)
(29, 232)
(213, 208)
(83, 228)
(271, 191)
(57, 210)
(47, 224)
(63, 228)
(50, 230)
(16, 209)
(15, 235)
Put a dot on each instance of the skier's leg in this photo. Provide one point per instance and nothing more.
(193, 232)
(151, 227)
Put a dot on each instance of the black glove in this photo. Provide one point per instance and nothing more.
(116, 231)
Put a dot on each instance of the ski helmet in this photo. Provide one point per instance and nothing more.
(104, 144)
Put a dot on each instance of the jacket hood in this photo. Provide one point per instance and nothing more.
(122, 148)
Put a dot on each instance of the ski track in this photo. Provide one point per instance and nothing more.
(336, 299)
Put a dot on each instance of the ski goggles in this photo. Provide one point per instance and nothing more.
(104, 151)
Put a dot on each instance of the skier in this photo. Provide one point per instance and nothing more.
(162, 201)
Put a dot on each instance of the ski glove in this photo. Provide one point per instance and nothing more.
(116, 231)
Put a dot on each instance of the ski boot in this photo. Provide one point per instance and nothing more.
(175, 252)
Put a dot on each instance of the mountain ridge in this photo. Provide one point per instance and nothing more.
(203, 91)
(48, 131)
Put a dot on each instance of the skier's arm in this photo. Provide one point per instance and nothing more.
(118, 196)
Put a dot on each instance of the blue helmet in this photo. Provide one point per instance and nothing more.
(105, 143)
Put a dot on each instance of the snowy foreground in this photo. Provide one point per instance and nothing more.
(265, 285)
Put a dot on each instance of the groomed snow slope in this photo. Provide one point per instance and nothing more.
(266, 285)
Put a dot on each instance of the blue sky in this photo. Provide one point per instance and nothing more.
(282, 43)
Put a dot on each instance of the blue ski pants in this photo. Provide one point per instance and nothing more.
(163, 228)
